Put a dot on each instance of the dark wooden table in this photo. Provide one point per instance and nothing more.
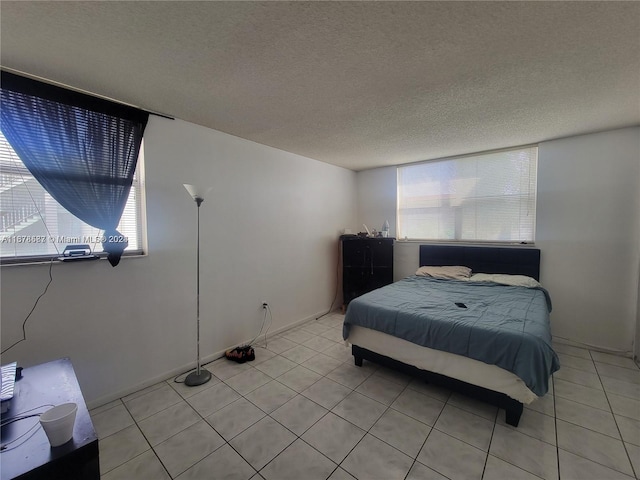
(31, 456)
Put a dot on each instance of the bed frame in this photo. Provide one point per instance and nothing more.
(511, 260)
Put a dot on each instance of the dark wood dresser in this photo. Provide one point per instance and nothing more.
(367, 264)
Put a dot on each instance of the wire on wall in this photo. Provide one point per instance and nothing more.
(266, 309)
(335, 296)
(24, 323)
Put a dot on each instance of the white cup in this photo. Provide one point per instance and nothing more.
(58, 423)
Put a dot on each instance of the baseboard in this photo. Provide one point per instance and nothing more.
(190, 366)
(595, 348)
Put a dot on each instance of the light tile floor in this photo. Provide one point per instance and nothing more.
(303, 411)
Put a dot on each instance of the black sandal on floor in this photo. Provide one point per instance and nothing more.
(250, 353)
(237, 355)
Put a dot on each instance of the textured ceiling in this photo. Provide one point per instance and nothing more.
(356, 84)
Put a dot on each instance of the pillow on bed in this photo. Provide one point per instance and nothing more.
(504, 279)
(450, 273)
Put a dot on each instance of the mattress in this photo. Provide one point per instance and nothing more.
(451, 365)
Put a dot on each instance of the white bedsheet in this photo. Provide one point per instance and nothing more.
(462, 368)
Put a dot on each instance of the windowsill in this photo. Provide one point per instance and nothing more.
(468, 243)
(46, 260)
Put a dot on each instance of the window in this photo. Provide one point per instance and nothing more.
(33, 224)
(83, 151)
(486, 197)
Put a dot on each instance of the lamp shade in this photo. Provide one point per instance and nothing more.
(197, 192)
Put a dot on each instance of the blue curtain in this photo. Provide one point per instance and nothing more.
(83, 150)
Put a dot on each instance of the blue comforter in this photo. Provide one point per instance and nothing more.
(501, 325)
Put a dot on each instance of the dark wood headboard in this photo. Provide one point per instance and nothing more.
(511, 260)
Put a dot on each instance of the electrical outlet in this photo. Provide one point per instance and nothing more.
(264, 305)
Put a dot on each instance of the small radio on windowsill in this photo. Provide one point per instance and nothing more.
(77, 252)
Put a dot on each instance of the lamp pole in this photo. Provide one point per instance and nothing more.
(200, 375)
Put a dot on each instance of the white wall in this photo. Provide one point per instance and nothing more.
(587, 229)
(269, 232)
(636, 346)
(377, 198)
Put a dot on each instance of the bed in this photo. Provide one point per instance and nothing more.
(486, 340)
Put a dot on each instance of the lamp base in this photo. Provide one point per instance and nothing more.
(194, 379)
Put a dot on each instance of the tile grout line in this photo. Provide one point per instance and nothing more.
(624, 444)
(578, 401)
(415, 460)
(493, 430)
(555, 424)
(145, 439)
(430, 432)
(367, 431)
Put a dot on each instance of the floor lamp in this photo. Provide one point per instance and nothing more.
(200, 375)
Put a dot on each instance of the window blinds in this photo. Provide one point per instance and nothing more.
(486, 197)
